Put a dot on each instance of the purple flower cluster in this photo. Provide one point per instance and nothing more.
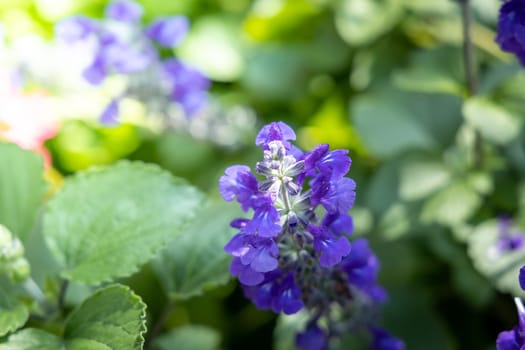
(515, 338)
(121, 45)
(507, 240)
(511, 28)
(294, 252)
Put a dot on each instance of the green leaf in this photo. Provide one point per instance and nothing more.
(286, 328)
(501, 268)
(493, 121)
(106, 222)
(114, 317)
(452, 205)
(33, 339)
(361, 21)
(391, 121)
(419, 178)
(213, 46)
(195, 260)
(189, 338)
(435, 71)
(13, 313)
(387, 128)
(22, 188)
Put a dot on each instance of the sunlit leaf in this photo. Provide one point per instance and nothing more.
(13, 312)
(493, 121)
(189, 338)
(500, 267)
(22, 188)
(106, 222)
(196, 260)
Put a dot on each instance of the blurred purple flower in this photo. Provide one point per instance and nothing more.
(507, 240)
(511, 28)
(74, 29)
(168, 32)
(124, 11)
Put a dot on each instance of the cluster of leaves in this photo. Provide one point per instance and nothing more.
(384, 79)
(95, 230)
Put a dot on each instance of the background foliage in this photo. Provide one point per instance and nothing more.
(384, 79)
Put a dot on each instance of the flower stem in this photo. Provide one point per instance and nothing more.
(159, 324)
(62, 294)
(470, 73)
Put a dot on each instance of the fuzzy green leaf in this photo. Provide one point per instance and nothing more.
(189, 338)
(22, 188)
(106, 222)
(113, 316)
(501, 268)
(13, 313)
(196, 260)
(33, 339)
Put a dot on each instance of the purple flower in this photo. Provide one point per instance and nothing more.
(522, 277)
(514, 339)
(331, 249)
(362, 266)
(277, 131)
(331, 164)
(265, 221)
(188, 86)
(74, 29)
(508, 241)
(168, 32)
(238, 182)
(382, 340)
(313, 338)
(110, 114)
(259, 253)
(124, 11)
(511, 28)
(290, 255)
(246, 274)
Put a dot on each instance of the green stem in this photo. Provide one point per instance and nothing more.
(62, 294)
(35, 292)
(470, 73)
(161, 321)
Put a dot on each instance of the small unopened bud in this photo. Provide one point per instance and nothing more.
(20, 270)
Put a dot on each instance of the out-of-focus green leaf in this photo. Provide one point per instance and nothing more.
(22, 188)
(452, 205)
(196, 261)
(189, 338)
(391, 121)
(361, 21)
(106, 222)
(286, 328)
(430, 6)
(435, 71)
(36, 339)
(80, 145)
(281, 20)
(410, 316)
(419, 178)
(395, 222)
(382, 190)
(13, 312)
(114, 317)
(276, 72)
(501, 268)
(330, 125)
(214, 47)
(387, 128)
(493, 121)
